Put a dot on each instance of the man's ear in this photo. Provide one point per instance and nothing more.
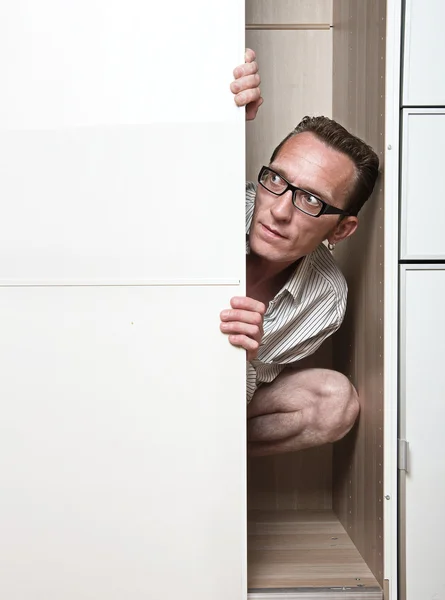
(343, 230)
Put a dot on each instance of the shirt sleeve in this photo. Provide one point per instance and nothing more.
(266, 372)
(251, 379)
(302, 338)
(250, 204)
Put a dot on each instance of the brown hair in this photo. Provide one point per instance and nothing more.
(337, 137)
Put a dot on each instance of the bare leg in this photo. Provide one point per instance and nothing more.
(300, 409)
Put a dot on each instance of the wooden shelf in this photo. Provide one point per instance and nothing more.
(309, 550)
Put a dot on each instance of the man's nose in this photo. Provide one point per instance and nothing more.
(283, 208)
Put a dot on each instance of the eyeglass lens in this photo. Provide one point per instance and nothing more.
(305, 201)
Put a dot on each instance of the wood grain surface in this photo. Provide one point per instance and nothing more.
(300, 480)
(358, 104)
(298, 549)
(288, 11)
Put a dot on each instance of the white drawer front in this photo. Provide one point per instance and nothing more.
(422, 187)
(423, 81)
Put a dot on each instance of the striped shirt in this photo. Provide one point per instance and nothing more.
(308, 309)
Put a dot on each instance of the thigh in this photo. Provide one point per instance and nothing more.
(300, 409)
(293, 390)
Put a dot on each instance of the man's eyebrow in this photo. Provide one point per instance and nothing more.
(309, 189)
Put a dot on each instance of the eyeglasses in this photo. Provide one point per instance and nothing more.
(302, 199)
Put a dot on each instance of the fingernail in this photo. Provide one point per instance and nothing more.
(241, 97)
(225, 313)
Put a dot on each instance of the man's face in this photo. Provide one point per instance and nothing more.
(280, 232)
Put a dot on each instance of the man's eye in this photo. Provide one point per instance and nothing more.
(311, 200)
(275, 179)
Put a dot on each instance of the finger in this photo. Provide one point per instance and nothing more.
(248, 96)
(246, 303)
(252, 109)
(236, 327)
(245, 83)
(246, 69)
(249, 55)
(243, 341)
(242, 316)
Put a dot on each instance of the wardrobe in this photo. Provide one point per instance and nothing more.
(122, 438)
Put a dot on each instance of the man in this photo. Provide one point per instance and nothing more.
(316, 182)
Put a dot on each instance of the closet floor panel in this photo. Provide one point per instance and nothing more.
(299, 554)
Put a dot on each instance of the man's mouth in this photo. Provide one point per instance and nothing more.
(271, 231)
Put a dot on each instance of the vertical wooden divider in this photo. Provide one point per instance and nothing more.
(358, 104)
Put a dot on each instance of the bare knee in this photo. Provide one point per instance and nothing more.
(300, 409)
(337, 406)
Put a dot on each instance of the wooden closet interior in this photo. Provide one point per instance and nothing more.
(315, 517)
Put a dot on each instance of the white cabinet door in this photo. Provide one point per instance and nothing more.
(422, 418)
(120, 142)
(422, 186)
(424, 49)
(122, 429)
(121, 445)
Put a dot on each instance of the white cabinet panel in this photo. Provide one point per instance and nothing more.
(424, 49)
(122, 444)
(422, 418)
(122, 435)
(121, 147)
(91, 62)
(122, 204)
(422, 189)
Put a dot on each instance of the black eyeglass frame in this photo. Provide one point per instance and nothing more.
(326, 209)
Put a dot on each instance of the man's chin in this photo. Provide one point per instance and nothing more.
(270, 253)
(266, 251)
